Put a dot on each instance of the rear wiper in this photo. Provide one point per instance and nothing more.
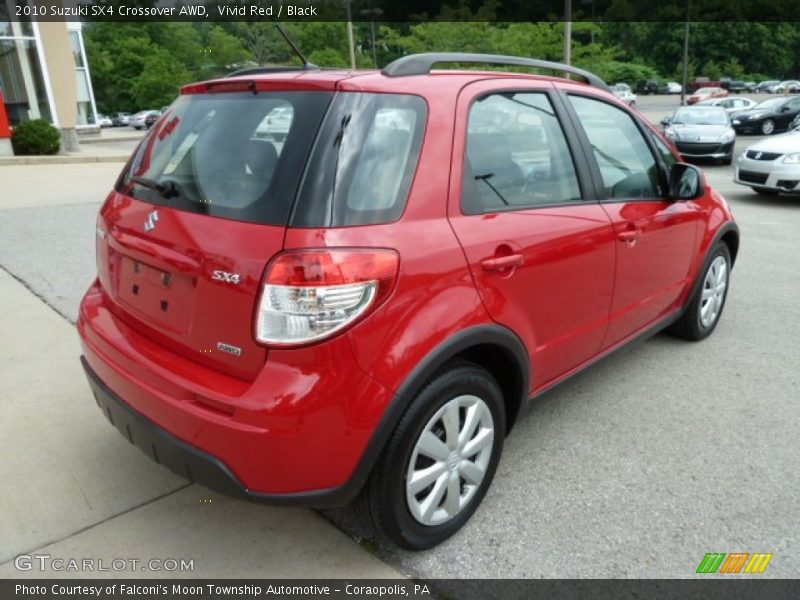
(166, 190)
(485, 179)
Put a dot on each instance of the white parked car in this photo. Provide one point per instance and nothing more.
(772, 165)
(731, 104)
(784, 87)
(104, 121)
(624, 93)
(276, 124)
(673, 87)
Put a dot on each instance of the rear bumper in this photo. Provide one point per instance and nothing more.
(157, 443)
(297, 434)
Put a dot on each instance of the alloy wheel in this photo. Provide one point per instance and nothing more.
(449, 460)
(713, 294)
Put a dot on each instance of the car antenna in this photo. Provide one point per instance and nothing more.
(306, 63)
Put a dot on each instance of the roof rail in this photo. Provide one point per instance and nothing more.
(421, 64)
(266, 70)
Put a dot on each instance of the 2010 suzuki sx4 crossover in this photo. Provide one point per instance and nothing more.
(359, 302)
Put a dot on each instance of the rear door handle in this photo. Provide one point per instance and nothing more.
(501, 263)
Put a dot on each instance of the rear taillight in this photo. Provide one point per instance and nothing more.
(309, 295)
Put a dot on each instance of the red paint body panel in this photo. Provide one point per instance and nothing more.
(288, 420)
(301, 425)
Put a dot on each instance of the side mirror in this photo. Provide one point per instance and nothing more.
(666, 120)
(685, 182)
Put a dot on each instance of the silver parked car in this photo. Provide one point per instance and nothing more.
(701, 132)
(731, 104)
(772, 165)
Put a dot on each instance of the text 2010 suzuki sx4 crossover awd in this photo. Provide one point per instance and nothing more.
(319, 286)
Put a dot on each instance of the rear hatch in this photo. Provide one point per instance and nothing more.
(198, 213)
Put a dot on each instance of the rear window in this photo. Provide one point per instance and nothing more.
(362, 166)
(233, 155)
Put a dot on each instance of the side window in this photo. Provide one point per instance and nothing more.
(516, 155)
(794, 104)
(627, 165)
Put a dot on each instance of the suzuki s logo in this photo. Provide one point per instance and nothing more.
(150, 222)
(757, 156)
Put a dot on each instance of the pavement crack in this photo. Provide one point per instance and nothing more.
(41, 297)
(97, 524)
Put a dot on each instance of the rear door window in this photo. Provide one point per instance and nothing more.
(364, 161)
(517, 156)
(234, 155)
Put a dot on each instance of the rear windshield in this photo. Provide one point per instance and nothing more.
(235, 155)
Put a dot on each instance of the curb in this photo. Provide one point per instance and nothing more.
(61, 160)
(112, 140)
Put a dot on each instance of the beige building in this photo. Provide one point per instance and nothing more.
(44, 74)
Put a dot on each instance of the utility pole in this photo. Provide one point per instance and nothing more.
(350, 41)
(372, 13)
(686, 52)
(567, 31)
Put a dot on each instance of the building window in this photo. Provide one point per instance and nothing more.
(21, 77)
(83, 87)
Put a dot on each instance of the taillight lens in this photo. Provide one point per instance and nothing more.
(309, 295)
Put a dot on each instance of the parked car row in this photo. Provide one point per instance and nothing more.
(140, 120)
(654, 86)
(708, 131)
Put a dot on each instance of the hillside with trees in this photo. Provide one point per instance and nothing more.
(142, 65)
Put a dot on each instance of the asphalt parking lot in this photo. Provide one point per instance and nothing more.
(635, 468)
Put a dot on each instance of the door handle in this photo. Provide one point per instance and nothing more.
(630, 236)
(501, 263)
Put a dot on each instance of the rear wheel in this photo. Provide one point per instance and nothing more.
(767, 127)
(705, 306)
(439, 462)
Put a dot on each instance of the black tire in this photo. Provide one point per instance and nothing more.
(764, 191)
(690, 326)
(382, 505)
(767, 127)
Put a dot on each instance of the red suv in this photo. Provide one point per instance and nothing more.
(361, 304)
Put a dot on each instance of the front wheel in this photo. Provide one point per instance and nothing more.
(439, 462)
(768, 127)
(705, 306)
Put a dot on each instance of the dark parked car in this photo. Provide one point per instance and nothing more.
(737, 86)
(648, 86)
(299, 323)
(702, 132)
(151, 118)
(775, 114)
(764, 86)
